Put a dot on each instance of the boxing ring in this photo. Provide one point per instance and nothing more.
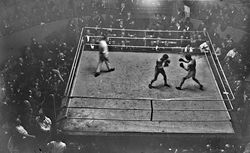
(121, 103)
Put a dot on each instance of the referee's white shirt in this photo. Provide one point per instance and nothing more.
(103, 44)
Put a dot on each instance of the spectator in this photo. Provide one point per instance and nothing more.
(231, 54)
(217, 50)
(201, 26)
(216, 38)
(4, 113)
(123, 10)
(96, 20)
(26, 113)
(44, 123)
(20, 138)
(228, 41)
(204, 47)
(44, 129)
(188, 49)
(110, 21)
(129, 21)
(120, 24)
(56, 146)
(57, 72)
(247, 148)
(188, 25)
(82, 9)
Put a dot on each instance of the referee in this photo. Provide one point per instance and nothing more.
(103, 56)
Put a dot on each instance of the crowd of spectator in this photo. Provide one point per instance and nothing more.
(34, 83)
(207, 148)
(25, 14)
(232, 55)
(224, 14)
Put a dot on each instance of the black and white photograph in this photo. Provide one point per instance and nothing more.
(124, 76)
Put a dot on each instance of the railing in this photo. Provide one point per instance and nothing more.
(151, 39)
(98, 28)
(67, 91)
(150, 109)
(151, 47)
(143, 38)
(221, 94)
(221, 74)
(74, 65)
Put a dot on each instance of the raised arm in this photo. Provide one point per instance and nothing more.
(182, 65)
(182, 60)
